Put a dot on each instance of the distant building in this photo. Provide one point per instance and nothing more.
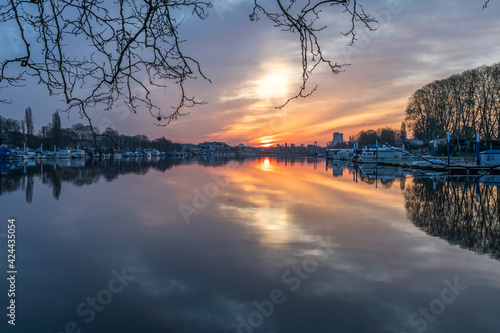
(337, 138)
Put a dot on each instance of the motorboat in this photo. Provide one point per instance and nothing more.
(63, 154)
(77, 153)
(5, 153)
(383, 155)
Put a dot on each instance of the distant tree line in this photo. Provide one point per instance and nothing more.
(463, 105)
(384, 136)
(18, 133)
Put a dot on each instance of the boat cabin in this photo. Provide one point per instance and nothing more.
(490, 157)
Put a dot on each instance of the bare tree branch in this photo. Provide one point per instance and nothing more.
(301, 18)
(135, 47)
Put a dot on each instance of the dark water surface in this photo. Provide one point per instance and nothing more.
(260, 245)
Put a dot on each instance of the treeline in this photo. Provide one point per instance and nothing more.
(384, 136)
(463, 104)
(17, 133)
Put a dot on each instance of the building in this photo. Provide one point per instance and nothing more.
(337, 138)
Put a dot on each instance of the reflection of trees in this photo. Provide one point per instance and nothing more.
(54, 175)
(465, 214)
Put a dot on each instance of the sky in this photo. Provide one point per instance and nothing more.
(255, 67)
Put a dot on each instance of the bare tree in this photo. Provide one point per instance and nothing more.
(28, 120)
(56, 128)
(97, 53)
(463, 104)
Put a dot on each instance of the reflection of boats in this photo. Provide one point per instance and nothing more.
(490, 180)
(77, 162)
(382, 172)
(50, 155)
(6, 167)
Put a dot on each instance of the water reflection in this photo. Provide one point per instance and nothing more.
(245, 241)
(462, 212)
(16, 176)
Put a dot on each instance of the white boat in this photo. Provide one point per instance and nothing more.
(383, 155)
(50, 155)
(127, 154)
(338, 154)
(155, 153)
(428, 162)
(77, 153)
(5, 153)
(63, 154)
(30, 155)
(17, 154)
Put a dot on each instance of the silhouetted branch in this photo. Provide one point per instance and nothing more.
(135, 48)
(302, 19)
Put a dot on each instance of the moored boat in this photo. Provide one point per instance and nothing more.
(63, 154)
(5, 153)
(383, 155)
(77, 153)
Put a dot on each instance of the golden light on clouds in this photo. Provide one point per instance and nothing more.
(273, 80)
(266, 141)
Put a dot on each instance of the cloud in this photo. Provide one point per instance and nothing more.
(255, 67)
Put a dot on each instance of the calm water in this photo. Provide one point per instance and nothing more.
(260, 245)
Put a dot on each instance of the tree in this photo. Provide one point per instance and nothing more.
(366, 138)
(130, 39)
(386, 135)
(463, 105)
(403, 135)
(28, 121)
(56, 128)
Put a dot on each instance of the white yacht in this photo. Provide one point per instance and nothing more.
(383, 155)
(63, 154)
(77, 153)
